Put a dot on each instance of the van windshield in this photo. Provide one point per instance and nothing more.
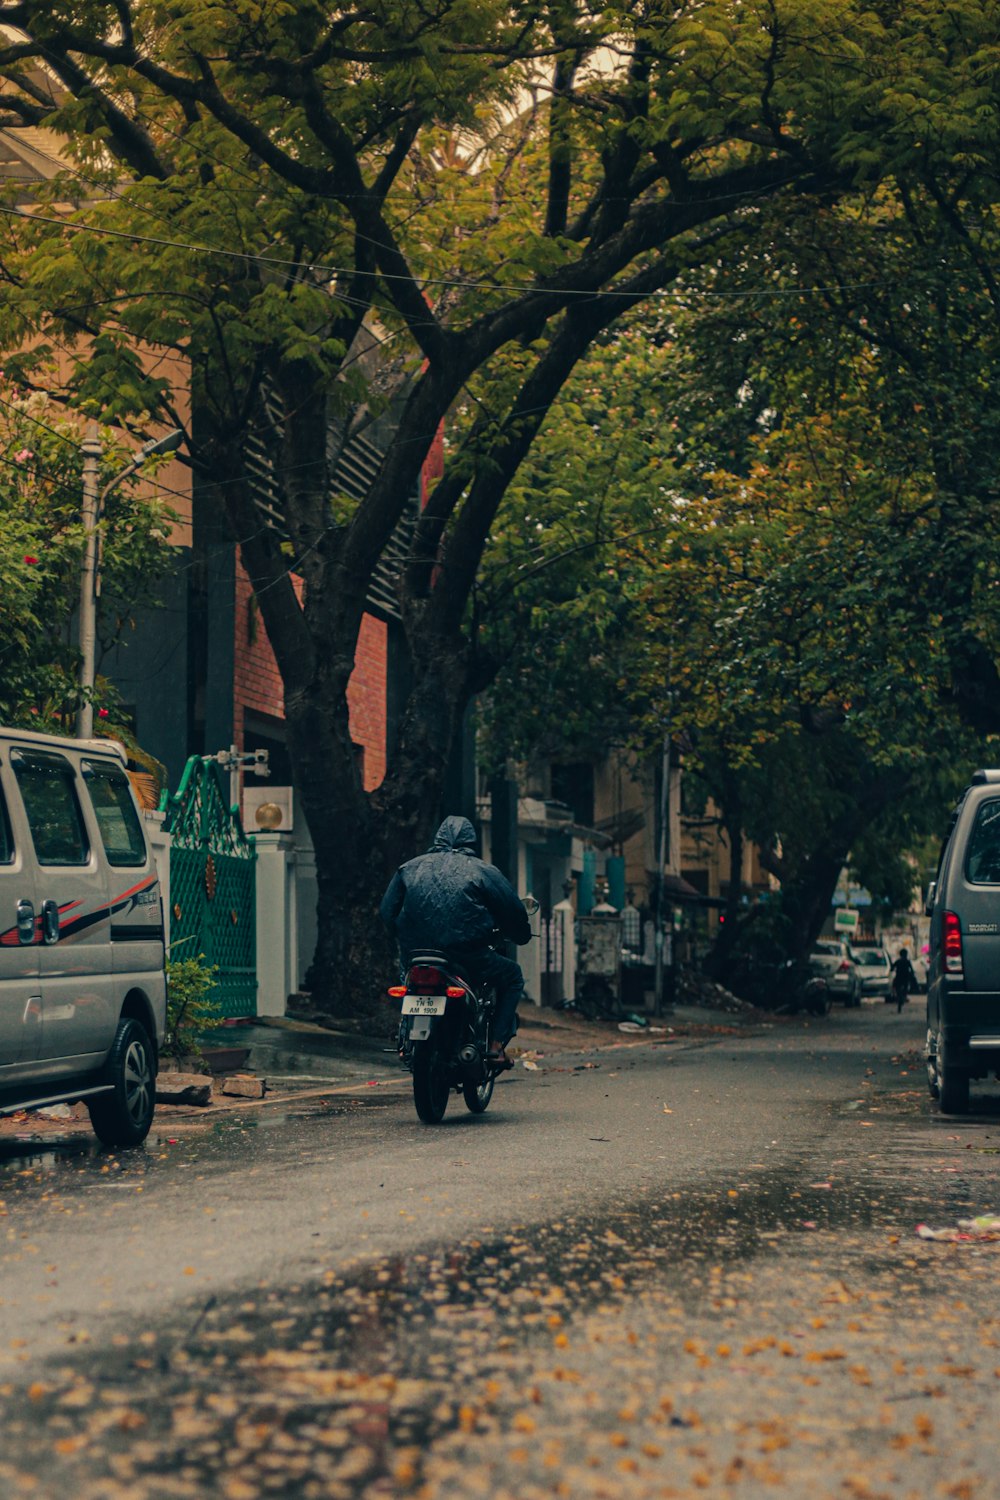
(121, 833)
(982, 857)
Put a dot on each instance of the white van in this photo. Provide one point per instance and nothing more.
(82, 985)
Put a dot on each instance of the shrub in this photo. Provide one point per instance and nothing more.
(190, 1006)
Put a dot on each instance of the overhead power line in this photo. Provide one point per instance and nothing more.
(447, 283)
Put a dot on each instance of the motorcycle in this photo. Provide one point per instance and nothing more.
(444, 1033)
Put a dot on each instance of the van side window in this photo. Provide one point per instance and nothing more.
(121, 832)
(982, 857)
(48, 791)
(6, 840)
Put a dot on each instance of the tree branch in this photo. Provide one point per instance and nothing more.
(465, 542)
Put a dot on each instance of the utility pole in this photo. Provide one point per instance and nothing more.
(659, 936)
(91, 449)
(93, 511)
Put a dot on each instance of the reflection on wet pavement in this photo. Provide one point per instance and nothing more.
(748, 1333)
(775, 1325)
(213, 1140)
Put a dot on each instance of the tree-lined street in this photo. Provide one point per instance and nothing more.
(649, 1270)
(585, 441)
(291, 233)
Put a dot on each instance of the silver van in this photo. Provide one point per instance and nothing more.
(82, 986)
(963, 970)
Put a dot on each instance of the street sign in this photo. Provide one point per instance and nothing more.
(845, 921)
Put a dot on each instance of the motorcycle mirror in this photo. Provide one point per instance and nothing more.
(530, 905)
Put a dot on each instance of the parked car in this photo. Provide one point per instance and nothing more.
(831, 960)
(874, 969)
(963, 974)
(82, 985)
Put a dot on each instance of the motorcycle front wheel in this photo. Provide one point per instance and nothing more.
(478, 1095)
(430, 1082)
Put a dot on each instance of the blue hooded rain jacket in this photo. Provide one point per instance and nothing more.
(451, 900)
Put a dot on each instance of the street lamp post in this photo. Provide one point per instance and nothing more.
(93, 511)
(659, 936)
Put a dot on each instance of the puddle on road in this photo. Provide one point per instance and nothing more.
(46, 1153)
(78, 1155)
(78, 1151)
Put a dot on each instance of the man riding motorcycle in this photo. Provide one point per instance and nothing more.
(450, 900)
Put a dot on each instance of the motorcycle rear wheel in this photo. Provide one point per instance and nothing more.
(478, 1095)
(430, 1083)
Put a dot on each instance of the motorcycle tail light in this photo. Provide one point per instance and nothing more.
(425, 979)
(843, 967)
(396, 991)
(454, 992)
(952, 944)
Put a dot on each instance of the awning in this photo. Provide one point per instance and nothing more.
(679, 889)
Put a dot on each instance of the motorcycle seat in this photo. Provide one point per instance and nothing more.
(439, 960)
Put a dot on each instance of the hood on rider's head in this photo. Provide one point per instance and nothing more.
(455, 833)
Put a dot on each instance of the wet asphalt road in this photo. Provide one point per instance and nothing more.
(653, 1271)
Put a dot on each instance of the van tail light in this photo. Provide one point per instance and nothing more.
(953, 945)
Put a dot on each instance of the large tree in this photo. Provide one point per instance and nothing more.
(742, 516)
(485, 187)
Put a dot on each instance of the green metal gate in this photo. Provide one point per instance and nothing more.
(213, 894)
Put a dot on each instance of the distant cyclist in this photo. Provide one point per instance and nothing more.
(903, 979)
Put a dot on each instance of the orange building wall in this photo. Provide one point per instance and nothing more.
(433, 465)
(257, 682)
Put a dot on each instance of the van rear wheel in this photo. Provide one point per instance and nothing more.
(930, 1054)
(953, 1084)
(123, 1116)
(954, 1092)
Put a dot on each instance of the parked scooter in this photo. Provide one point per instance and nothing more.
(444, 1033)
(801, 990)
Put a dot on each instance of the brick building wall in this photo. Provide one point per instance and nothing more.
(366, 698)
(257, 684)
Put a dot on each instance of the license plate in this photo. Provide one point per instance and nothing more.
(424, 1005)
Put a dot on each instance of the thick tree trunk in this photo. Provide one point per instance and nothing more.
(807, 900)
(807, 888)
(360, 838)
(808, 895)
